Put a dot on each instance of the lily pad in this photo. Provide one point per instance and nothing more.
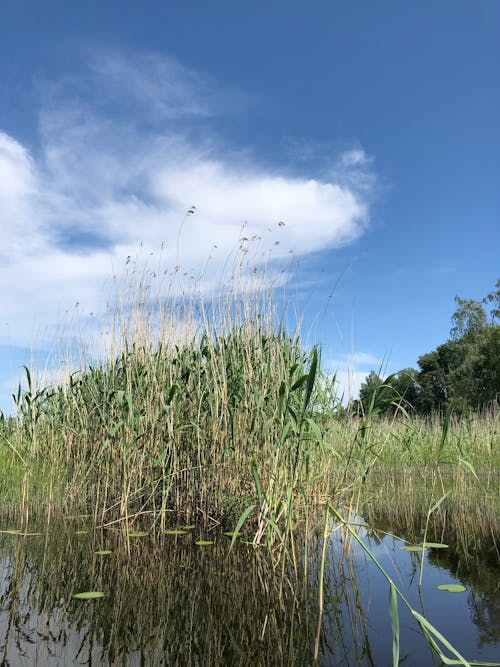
(175, 531)
(452, 588)
(103, 552)
(89, 595)
(203, 543)
(427, 545)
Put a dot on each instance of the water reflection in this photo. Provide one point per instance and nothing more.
(169, 601)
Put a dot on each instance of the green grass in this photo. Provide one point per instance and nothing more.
(203, 411)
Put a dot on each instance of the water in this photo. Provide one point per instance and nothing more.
(168, 601)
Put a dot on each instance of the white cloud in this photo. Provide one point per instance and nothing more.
(364, 359)
(356, 157)
(102, 182)
(351, 369)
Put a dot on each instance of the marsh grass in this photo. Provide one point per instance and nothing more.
(206, 407)
(468, 518)
(199, 407)
(213, 411)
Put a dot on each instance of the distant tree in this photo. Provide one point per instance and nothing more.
(494, 298)
(375, 394)
(432, 380)
(475, 377)
(406, 386)
(462, 373)
(469, 317)
(369, 387)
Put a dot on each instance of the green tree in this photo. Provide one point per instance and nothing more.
(375, 395)
(407, 389)
(494, 298)
(469, 317)
(432, 380)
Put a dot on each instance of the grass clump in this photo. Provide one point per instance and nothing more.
(228, 417)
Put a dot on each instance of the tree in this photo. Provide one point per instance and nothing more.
(469, 317)
(432, 379)
(494, 298)
(407, 388)
(368, 390)
(462, 373)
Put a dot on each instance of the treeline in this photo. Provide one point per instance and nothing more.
(461, 374)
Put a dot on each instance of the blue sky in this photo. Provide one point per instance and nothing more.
(372, 129)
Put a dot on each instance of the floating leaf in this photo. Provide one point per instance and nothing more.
(233, 533)
(175, 531)
(89, 595)
(190, 527)
(11, 531)
(81, 532)
(452, 588)
(138, 533)
(203, 543)
(103, 552)
(436, 545)
(426, 545)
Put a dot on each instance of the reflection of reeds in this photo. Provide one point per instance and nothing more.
(468, 518)
(166, 601)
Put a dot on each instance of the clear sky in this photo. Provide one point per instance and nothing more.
(372, 129)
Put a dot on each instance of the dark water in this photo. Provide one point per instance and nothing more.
(169, 601)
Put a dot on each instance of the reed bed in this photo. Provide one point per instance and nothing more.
(217, 412)
(204, 409)
(214, 410)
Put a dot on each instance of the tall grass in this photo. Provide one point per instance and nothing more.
(214, 408)
(224, 413)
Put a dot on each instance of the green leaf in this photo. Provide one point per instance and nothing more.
(203, 543)
(138, 533)
(437, 504)
(315, 429)
(175, 531)
(240, 523)
(103, 552)
(426, 545)
(258, 485)
(469, 465)
(393, 610)
(89, 595)
(302, 379)
(452, 588)
(431, 634)
(311, 378)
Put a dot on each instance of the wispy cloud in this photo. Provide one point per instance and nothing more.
(351, 369)
(124, 152)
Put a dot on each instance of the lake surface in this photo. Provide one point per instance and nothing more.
(170, 601)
